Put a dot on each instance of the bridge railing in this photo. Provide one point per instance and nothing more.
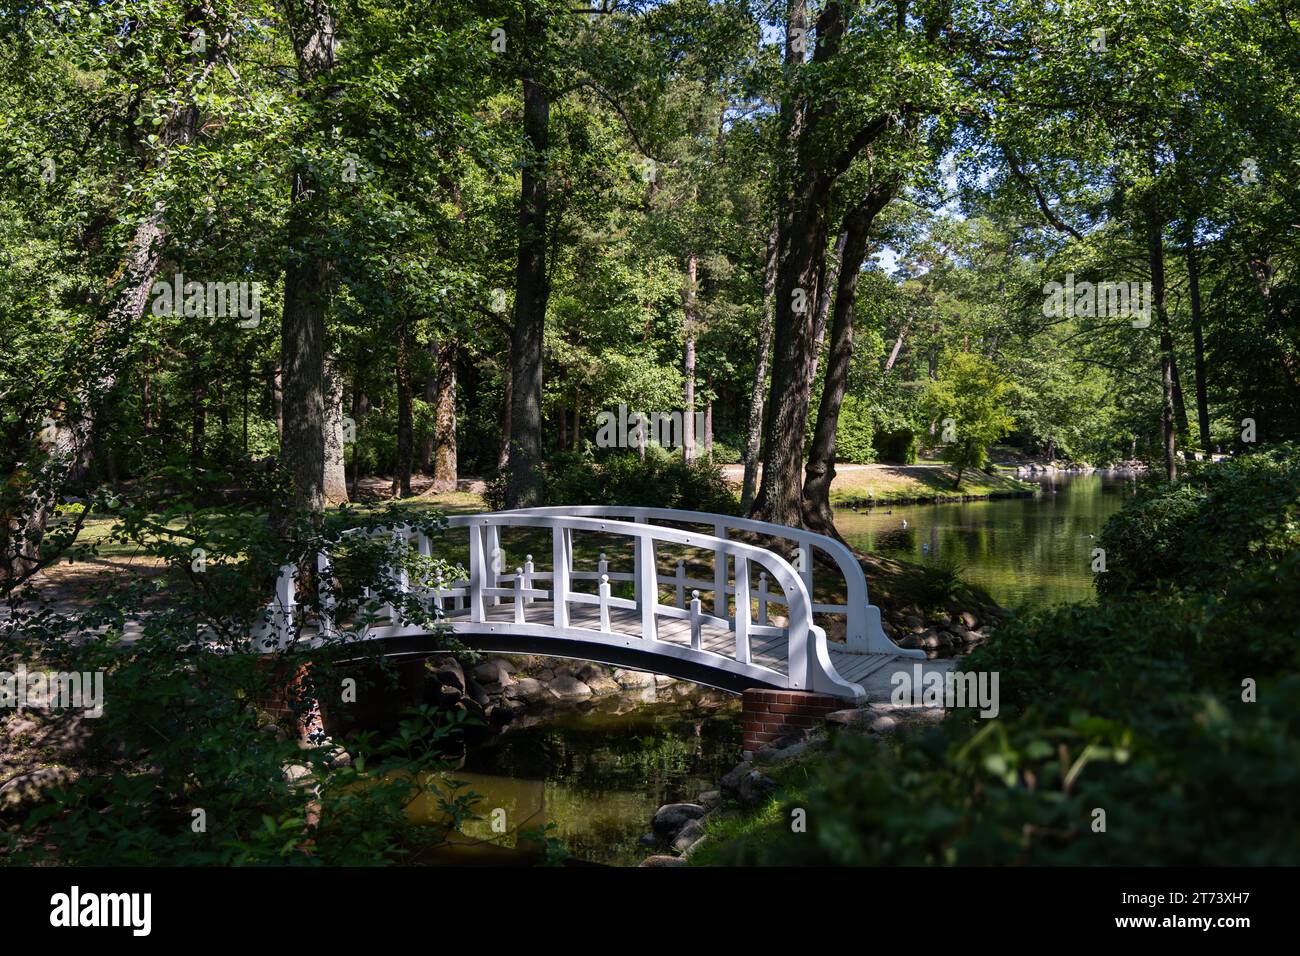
(807, 664)
(863, 631)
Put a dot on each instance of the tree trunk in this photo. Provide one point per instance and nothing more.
(754, 427)
(444, 420)
(306, 291)
(503, 450)
(820, 471)
(1198, 338)
(1156, 254)
(336, 481)
(405, 436)
(524, 486)
(826, 283)
(360, 409)
(688, 361)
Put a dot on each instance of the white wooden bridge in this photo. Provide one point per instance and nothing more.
(734, 638)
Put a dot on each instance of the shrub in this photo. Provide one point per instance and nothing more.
(1205, 529)
(663, 480)
(896, 446)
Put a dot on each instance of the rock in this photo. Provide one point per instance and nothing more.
(883, 725)
(526, 689)
(602, 686)
(506, 711)
(478, 694)
(772, 754)
(20, 726)
(755, 787)
(709, 799)
(688, 836)
(852, 717)
(633, 679)
(340, 758)
(449, 695)
(664, 681)
(591, 672)
(30, 788)
(648, 840)
(969, 620)
(660, 859)
(910, 641)
(671, 817)
(294, 772)
(493, 672)
(930, 640)
(567, 687)
(450, 673)
(545, 675)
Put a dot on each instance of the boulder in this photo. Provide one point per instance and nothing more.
(568, 687)
(709, 799)
(602, 686)
(883, 725)
(526, 688)
(450, 673)
(661, 859)
(671, 817)
(493, 672)
(592, 672)
(851, 717)
(755, 788)
(30, 788)
(633, 679)
(688, 836)
(478, 694)
(969, 620)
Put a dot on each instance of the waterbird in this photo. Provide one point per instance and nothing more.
(904, 524)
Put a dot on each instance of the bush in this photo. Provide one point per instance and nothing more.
(853, 436)
(663, 480)
(896, 446)
(1206, 528)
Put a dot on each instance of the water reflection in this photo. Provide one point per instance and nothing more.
(1027, 552)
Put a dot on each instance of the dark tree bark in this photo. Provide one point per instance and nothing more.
(806, 180)
(754, 427)
(445, 468)
(688, 360)
(1156, 254)
(524, 486)
(820, 471)
(1198, 337)
(405, 436)
(306, 286)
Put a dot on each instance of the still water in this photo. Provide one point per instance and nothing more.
(598, 772)
(1026, 552)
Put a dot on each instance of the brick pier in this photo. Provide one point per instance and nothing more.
(768, 715)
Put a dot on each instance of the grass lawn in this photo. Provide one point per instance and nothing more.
(891, 483)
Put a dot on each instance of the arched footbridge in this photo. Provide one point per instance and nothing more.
(673, 592)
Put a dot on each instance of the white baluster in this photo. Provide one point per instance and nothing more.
(602, 566)
(519, 595)
(604, 603)
(528, 576)
(681, 583)
(560, 576)
(477, 572)
(742, 609)
(720, 574)
(695, 620)
(647, 580)
(762, 597)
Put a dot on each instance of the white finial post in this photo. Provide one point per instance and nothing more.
(695, 620)
(604, 602)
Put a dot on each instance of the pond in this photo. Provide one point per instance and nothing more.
(598, 773)
(1026, 552)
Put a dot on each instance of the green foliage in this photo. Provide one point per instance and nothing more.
(853, 437)
(1138, 706)
(971, 396)
(663, 480)
(897, 446)
(1201, 532)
